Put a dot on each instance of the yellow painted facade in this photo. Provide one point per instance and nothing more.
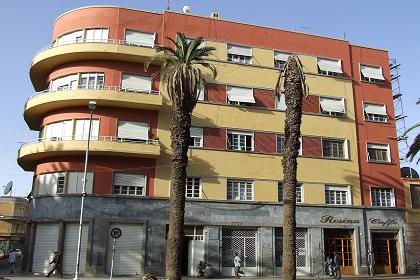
(13, 213)
(412, 212)
(215, 167)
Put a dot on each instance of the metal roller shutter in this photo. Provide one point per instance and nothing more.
(71, 236)
(129, 250)
(46, 241)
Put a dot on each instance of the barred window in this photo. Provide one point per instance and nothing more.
(280, 143)
(239, 54)
(193, 187)
(240, 141)
(299, 192)
(334, 148)
(129, 184)
(240, 190)
(382, 197)
(378, 152)
(196, 137)
(337, 195)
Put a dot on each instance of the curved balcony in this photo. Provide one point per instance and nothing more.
(110, 49)
(39, 104)
(33, 151)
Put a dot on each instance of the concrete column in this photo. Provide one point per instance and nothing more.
(266, 256)
(155, 249)
(316, 247)
(212, 248)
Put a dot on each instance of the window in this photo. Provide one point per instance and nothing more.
(240, 190)
(81, 131)
(382, 197)
(69, 38)
(129, 184)
(332, 106)
(136, 83)
(64, 182)
(193, 187)
(97, 35)
(240, 95)
(133, 130)
(280, 59)
(415, 196)
(64, 83)
(58, 131)
(375, 112)
(91, 81)
(240, 141)
(334, 148)
(337, 195)
(371, 74)
(299, 192)
(139, 38)
(281, 102)
(196, 137)
(239, 54)
(330, 67)
(280, 143)
(378, 152)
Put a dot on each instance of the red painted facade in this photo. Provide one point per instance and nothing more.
(168, 23)
(265, 142)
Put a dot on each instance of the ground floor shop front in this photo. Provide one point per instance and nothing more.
(214, 232)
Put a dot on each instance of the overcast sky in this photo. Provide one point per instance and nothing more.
(27, 26)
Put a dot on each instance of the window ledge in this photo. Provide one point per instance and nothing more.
(381, 162)
(370, 121)
(369, 82)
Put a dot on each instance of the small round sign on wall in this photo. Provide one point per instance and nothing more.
(116, 232)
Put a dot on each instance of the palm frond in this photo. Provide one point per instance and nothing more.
(414, 149)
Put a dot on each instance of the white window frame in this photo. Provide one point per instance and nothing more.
(385, 147)
(230, 88)
(299, 192)
(66, 82)
(345, 148)
(280, 135)
(190, 189)
(339, 188)
(382, 118)
(197, 140)
(104, 36)
(79, 34)
(142, 44)
(120, 192)
(240, 133)
(94, 133)
(368, 79)
(279, 63)
(379, 188)
(50, 133)
(231, 182)
(98, 79)
(280, 100)
(327, 72)
(239, 58)
(332, 113)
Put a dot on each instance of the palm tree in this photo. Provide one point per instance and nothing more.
(415, 146)
(295, 87)
(181, 72)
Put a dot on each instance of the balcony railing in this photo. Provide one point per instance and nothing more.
(100, 41)
(92, 138)
(96, 87)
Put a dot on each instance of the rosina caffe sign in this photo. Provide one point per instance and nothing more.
(328, 219)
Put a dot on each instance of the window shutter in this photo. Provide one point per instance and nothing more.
(133, 130)
(47, 183)
(372, 72)
(196, 132)
(140, 38)
(240, 94)
(75, 182)
(377, 146)
(281, 56)
(239, 50)
(330, 65)
(129, 179)
(281, 102)
(136, 82)
(375, 109)
(332, 105)
(81, 131)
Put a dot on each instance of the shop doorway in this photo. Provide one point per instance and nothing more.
(340, 241)
(193, 251)
(385, 252)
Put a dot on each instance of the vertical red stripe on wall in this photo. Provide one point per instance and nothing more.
(311, 104)
(216, 93)
(264, 98)
(265, 142)
(214, 138)
(312, 146)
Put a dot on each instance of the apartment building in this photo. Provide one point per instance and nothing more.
(13, 214)
(350, 198)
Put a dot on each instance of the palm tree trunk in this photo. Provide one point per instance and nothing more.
(180, 134)
(293, 97)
